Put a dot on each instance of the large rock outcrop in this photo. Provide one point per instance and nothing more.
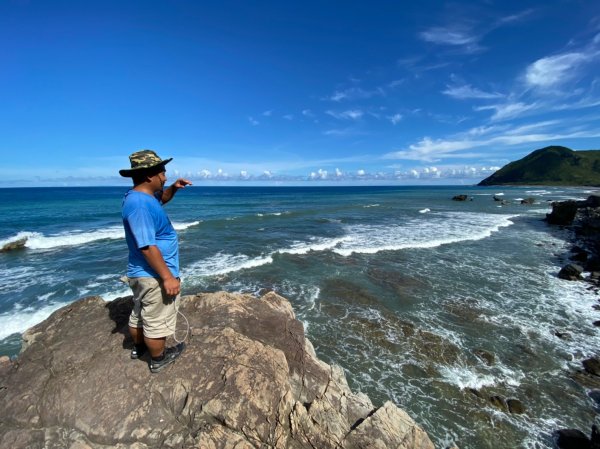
(248, 379)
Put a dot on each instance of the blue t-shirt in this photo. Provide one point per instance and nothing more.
(146, 223)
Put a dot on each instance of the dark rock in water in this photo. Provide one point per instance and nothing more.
(515, 406)
(499, 402)
(579, 255)
(595, 396)
(571, 272)
(17, 244)
(595, 437)
(563, 213)
(486, 356)
(592, 366)
(562, 335)
(571, 439)
(477, 393)
(460, 198)
(248, 378)
(528, 201)
(585, 379)
(596, 323)
(592, 263)
(497, 199)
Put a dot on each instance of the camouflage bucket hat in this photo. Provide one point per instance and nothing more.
(142, 160)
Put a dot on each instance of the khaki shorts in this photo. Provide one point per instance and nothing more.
(153, 310)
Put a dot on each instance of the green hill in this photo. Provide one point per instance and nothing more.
(550, 166)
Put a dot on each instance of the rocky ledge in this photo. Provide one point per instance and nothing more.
(248, 379)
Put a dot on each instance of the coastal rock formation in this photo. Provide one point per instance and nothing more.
(248, 379)
(460, 197)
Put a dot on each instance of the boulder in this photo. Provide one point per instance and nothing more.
(15, 244)
(571, 272)
(571, 439)
(592, 366)
(460, 198)
(563, 213)
(248, 379)
(528, 201)
(486, 356)
(515, 406)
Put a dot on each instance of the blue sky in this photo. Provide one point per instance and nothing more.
(293, 91)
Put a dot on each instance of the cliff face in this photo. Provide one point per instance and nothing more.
(248, 379)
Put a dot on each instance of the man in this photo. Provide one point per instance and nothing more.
(153, 267)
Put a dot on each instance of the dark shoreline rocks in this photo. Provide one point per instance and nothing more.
(249, 378)
(584, 218)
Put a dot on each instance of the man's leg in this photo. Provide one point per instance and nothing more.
(137, 335)
(156, 346)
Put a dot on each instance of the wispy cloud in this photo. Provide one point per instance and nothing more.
(449, 36)
(468, 92)
(356, 93)
(555, 70)
(253, 121)
(508, 110)
(351, 114)
(431, 150)
(395, 119)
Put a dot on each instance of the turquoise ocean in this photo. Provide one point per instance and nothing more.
(400, 286)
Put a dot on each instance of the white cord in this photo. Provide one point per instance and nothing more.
(187, 331)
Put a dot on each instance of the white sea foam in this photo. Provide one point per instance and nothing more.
(424, 211)
(441, 230)
(183, 226)
(224, 263)
(315, 244)
(464, 377)
(371, 205)
(37, 240)
(20, 319)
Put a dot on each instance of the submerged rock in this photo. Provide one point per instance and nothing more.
(571, 439)
(460, 198)
(248, 379)
(16, 244)
(592, 366)
(571, 272)
(528, 201)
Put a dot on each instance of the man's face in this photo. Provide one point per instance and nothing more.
(159, 180)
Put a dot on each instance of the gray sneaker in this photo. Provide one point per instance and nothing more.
(170, 355)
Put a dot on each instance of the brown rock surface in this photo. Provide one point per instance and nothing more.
(248, 379)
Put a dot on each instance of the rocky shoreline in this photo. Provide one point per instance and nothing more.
(583, 218)
(249, 378)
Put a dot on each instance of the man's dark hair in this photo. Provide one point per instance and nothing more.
(139, 178)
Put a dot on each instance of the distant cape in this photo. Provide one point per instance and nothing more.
(554, 165)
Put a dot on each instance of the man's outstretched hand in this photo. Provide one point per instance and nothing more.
(181, 183)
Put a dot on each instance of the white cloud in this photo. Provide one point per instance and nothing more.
(360, 172)
(253, 121)
(429, 150)
(395, 119)
(448, 36)
(356, 93)
(267, 113)
(554, 70)
(289, 117)
(508, 110)
(467, 91)
(351, 114)
(338, 172)
(307, 113)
